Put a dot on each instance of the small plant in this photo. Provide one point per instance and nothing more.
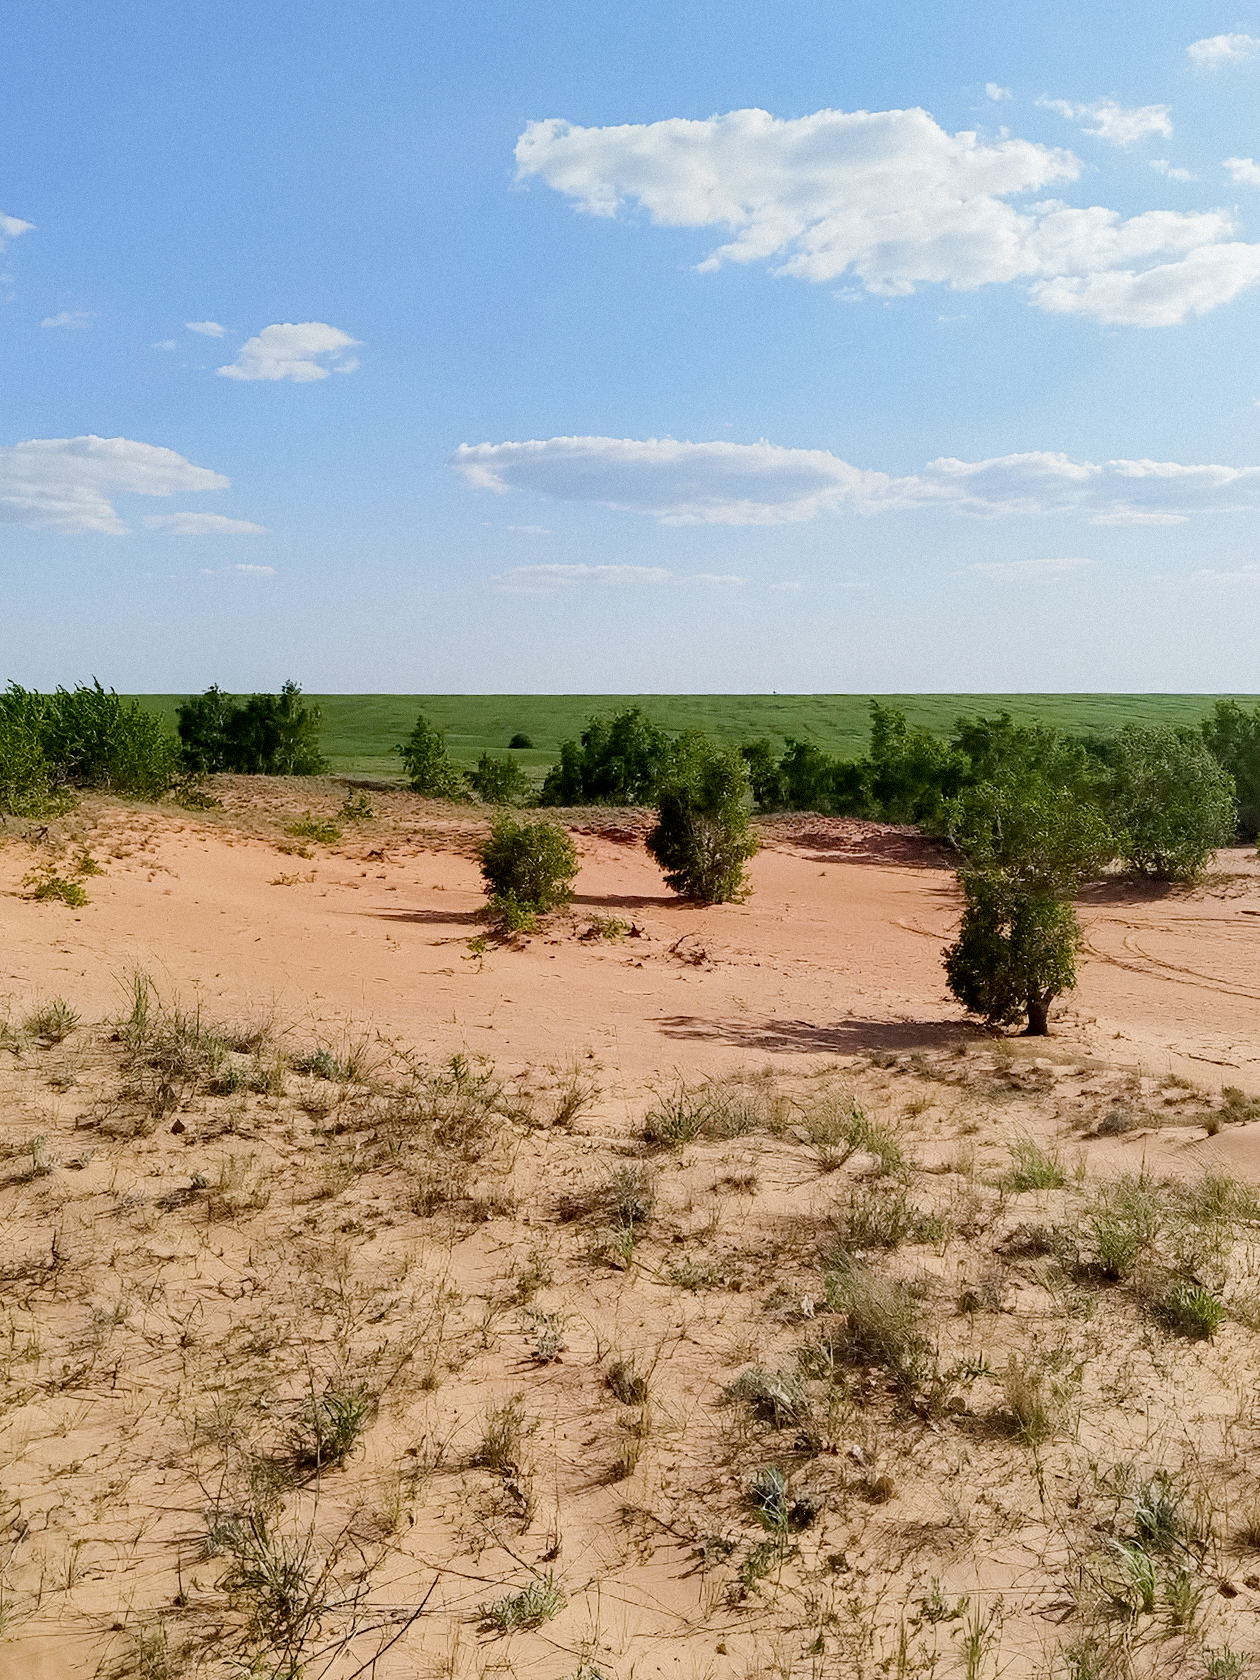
(329, 1426)
(629, 1196)
(883, 1323)
(192, 792)
(547, 1331)
(626, 1384)
(520, 742)
(777, 1398)
(539, 1602)
(429, 769)
(767, 1499)
(1033, 1402)
(501, 1438)
(1190, 1310)
(1032, 1168)
(872, 1216)
(52, 1022)
(1123, 1225)
(1223, 1664)
(310, 827)
(532, 864)
(605, 927)
(356, 808)
(48, 887)
(1132, 1580)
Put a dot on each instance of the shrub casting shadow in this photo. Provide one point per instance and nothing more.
(838, 1038)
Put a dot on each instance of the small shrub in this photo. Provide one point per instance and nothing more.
(52, 1022)
(532, 863)
(329, 1425)
(1034, 1403)
(883, 1323)
(702, 838)
(1032, 1168)
(1190, 1310)
(499, 781)
(315, 828)
(872, 1216)
(50, 887)
(838, 1127)
(429, 769)
(1122, 1225)
(520, 742)
(629, 1196)
(627, 1384)
(502, 1436)
(356, 808)
(777, 1398)
(539, 1602)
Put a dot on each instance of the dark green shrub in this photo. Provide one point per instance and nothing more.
(1044, 839)
(621, 760)
(429, 770)
(267, 735)
(499, 781)
(1014, 953)
(531, 865)
(1170, 801)
(1232, 736)
(26, 779)
(702, 838)
(764, 776)
(520, 741)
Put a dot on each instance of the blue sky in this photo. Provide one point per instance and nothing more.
(857, 347)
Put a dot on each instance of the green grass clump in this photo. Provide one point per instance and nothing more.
(315, 828)
(52, 1022)
(52, 888)
(541, 1601)
(1032, 1168)
(882, 1324)
(329, 1426)
(1190, 1310)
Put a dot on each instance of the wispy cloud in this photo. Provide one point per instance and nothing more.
(1123, 125)
(74, 320)
(300, 351)
(238, 571)
(1012, 571)
(726, 579)
(1245, 172)
(995, 92)
(207, 329)
(165, 344)
(1172, 172)
(720, 483)
(1216, 50)
(891, 201)
(201, 525)
(13, 227)
(531, 530)
(535, 580)
(67, 484)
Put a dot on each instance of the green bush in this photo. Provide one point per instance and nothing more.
(519, 740)
(1171, 802)
(87, 737)
(1014, 953)
(531, 865)
(26, 782)
(620, 760)
(429, 770)
(266, 735)
(702, 838)
(1232, 736)
(499, 781)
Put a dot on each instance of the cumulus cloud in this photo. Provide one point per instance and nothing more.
(75, 320)
(1215, 50)
(207, 329)
(66, 484)
(293, 350)
(995, 92)
(13, 227)
(1172, 172)
(892, 200)
(1012, 571)
(201, 525)
(1244, 171)
(536, 580)
(680, 483)
(1123, 125)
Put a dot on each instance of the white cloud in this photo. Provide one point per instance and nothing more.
(239, 571)
(535, 580)
(65, 484)
(1215, 50)
(785, 585)
(74, 319)
(207, 329)
(892, 200)
(995, 92)
(201, 525)
(1012, 571)
(12, 227)
(1209, 574)
(293, 350)
(1172, 172)
(165, 344)
(531, 530)
(728, 579)
(1123, 125)
(1244, 171)
(680, 483)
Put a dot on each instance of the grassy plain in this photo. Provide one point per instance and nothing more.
(361, 730)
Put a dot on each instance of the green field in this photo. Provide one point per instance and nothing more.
(361, 730)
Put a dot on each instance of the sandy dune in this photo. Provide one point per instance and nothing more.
(838, 948)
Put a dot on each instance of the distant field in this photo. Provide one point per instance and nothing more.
(361, 730)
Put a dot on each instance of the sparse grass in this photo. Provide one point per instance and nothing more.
(1190, 1310)
(837, 1127)
(1034, 1402)
(871, 1215)
(319, 829)
(1033, 1168)
(47, 887)
(883, 1323)
(329, 1426)
(502, 1437)
(628, 1384)
(52, 1022)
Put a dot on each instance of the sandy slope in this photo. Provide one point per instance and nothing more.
(838, 948)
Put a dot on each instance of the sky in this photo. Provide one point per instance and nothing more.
(674, 346)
